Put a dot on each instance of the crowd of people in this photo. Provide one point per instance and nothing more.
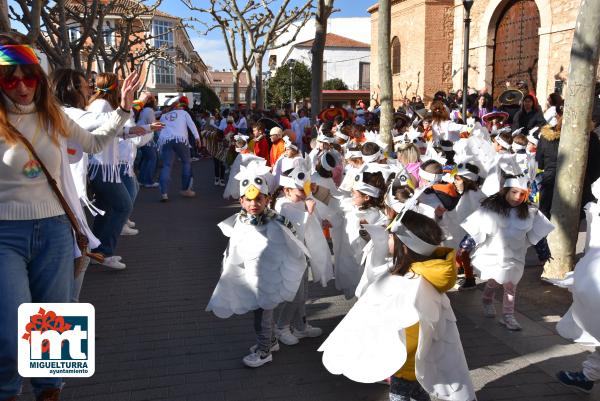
(392, 224)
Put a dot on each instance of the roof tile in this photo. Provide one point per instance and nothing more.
(333, 40)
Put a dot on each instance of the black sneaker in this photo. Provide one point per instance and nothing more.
(576, 380)
(467, 284)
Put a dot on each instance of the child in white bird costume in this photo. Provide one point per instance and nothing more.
(581, 323)
(299, 207)
(403, 326)
(499, 233)
(263, 265)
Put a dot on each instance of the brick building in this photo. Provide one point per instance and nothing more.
(183, 67)
(510, 40)
(421, 33)
(222, 85)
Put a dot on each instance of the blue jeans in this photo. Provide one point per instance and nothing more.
(167, 154)
(36, 265)
(113, 198)
(148, 164)
(130, 182)
(406, 390)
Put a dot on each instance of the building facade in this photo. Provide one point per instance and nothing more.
(515, 40)
(509, 41)
(222, 85)
(343, 58)
(421, 47)
(180, 67)
(357, 29)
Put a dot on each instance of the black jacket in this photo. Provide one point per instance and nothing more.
(547, 154)
(534, 118)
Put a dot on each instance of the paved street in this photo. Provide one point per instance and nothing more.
(156, 342)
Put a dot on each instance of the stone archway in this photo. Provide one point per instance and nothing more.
(487, 29)
(516, 46)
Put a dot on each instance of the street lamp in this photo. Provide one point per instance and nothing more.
(467, 4)
(291, 63)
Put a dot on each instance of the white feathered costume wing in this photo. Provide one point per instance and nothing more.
(308, 229)
(369, 344)
(262, 267)
(581, 322)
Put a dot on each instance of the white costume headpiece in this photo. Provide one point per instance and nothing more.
(254, 179)
(361, 186)
(288, 144)
(298, 178)
(241, 138)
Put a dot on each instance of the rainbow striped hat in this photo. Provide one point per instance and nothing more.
(17, 54)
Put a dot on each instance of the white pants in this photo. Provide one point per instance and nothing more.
(591, 366)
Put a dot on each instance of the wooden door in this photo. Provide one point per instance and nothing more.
(516, 46)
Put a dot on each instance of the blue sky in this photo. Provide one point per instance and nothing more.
(210, 47)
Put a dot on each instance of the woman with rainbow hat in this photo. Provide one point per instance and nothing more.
(37, 247)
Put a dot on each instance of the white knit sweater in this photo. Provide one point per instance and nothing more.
(23, 198)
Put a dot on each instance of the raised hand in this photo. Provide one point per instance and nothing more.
(128, 89)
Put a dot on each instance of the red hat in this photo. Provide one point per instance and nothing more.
(184, 99)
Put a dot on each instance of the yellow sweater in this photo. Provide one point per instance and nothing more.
(441, 273)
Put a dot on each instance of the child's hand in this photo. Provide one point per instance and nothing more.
(310, 205)
(439, 211)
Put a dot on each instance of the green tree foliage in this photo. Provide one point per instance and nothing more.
(335, 84)
(278, 89)
(210, 100)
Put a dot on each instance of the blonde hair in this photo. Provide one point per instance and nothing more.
(49, 113)
(408, 153)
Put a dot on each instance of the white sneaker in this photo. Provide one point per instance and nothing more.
(216, 181)
(222, 183)
(188, 193)
(153, 185)
(285, 336)
(256, 359)
(489, 310)
(309, 331)
(114, 262)
(126, 230)
(130, 223)
(510, 322)
(164, 197)
(274, 347)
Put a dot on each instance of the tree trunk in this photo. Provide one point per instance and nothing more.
(249, 89)
(574, 140)
(235, 77)
(4, 20)
(324, 9)
(386, 116)
(260, 96)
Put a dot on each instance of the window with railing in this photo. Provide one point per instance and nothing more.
(164, 72)
(163, 33)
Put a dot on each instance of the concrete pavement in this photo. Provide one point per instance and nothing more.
(156, 342)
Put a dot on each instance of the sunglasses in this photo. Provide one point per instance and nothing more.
(10, 83)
